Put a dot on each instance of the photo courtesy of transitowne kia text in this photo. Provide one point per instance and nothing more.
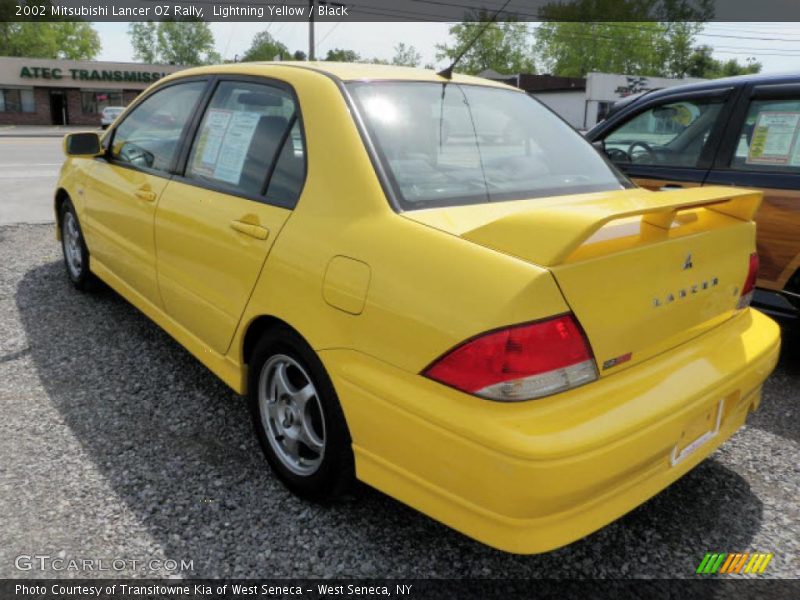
(196, 11)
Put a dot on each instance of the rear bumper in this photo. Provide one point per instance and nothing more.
(782, 306)
(530, 477)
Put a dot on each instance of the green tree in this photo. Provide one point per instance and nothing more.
(341, 55)
(505, 46)
(186, 43)
(265, 47)
(70, 40)
(636, 37)
(731, 67)
(406, 56)
(174, 42)
(703, 64)
(676, 47)
(672, 11)
(144, 39)
(574, 49)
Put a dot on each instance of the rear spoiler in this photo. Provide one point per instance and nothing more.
(549, 234)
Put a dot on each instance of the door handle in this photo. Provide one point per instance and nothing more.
(146, 195)
(256, 231)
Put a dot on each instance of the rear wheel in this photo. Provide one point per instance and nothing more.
(76, 255)
(298, 419)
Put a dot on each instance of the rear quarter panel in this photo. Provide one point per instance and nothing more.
(426, 290)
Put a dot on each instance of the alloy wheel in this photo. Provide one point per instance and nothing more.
(291, 414)
(72, 245)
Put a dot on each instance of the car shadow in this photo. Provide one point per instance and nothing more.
(779, 411)
(178, 449)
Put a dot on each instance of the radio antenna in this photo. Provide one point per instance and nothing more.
(448, 72)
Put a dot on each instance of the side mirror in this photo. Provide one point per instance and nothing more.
(86, 145)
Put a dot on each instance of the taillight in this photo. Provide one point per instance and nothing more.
(749, 283)
(520, 362)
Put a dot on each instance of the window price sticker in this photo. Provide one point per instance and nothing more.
(774, 138)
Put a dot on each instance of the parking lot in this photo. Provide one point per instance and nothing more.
(115, 443)
(28, 169)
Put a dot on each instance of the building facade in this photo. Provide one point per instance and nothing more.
(36, 91)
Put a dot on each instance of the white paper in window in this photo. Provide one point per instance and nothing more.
(774, 137)
(210, 142)
(233, 150)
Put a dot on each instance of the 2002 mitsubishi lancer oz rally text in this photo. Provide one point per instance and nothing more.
(432, 285)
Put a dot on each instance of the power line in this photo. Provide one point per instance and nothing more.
(599, 36)
(330, 31)
(630, 26)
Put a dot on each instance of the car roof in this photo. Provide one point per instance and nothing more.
(712, 84)
(341, 71)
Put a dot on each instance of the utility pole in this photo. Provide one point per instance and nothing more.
(311, 8)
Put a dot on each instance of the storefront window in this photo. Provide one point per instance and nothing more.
(93, 103)
(12, 100)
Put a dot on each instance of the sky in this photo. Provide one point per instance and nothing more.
(775, 45)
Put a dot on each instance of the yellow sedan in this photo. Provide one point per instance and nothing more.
(432, 285)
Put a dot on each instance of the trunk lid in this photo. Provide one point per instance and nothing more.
(642, 271)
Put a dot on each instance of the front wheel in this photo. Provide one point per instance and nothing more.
(298, 419)
(76, 255)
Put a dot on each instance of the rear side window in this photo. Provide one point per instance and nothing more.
(249, 132)
(290, 170)
(770, 137)
(149, 135)
(670, 135)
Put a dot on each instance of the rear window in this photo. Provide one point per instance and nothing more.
(452, 144)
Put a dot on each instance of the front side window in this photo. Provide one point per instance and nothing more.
(770, 137)
(671, 135)
(452, 144)
(250, 131)
(149, 135)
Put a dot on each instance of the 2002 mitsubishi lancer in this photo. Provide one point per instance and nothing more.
(431, 284)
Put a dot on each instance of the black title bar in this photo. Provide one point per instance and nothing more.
(396, 589)
(400, 10)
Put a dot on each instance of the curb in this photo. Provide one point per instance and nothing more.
(32, 135)
(15, 132)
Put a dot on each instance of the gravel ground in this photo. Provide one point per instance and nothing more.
(116, 443)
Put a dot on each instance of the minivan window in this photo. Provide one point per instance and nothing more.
(670, 135)
(241, 135)
(452, 144)
(149, 135)
(770, 137)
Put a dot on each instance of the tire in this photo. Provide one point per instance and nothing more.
(73, 246)
(301, 429)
